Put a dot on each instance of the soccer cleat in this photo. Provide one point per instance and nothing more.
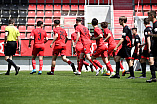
(106, 74)
(97, 72)
(102, 70)
(77, 73)
(130, 77)
(115, 76)
(123, 73)
(151, 80)
(50, 73)
(17, 70)
(91, 67)
(142, 76)
(73, 67)
(7, 73)
(86, 68)
(33, 71)
(112, 73)
(40, 72)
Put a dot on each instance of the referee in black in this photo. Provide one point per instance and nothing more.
(11, 36)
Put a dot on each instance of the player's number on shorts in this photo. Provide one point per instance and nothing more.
(39, 36)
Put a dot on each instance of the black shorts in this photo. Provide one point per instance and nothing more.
(134, 56)
(10, 49)
(125, 52)
(146, 55)
(153, 52)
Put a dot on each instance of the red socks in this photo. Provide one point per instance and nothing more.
(33, 63)
(40, 65)
(96, 67)
(52, 69)
(97, 63)
(69, 62)
(85, 63)
(109, 67)
(121, 66)
(80, 65)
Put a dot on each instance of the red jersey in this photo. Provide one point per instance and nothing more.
(84, 34)
(111, 39)
(39, 35)
(74, 36)
(97, 32)
(61, 36)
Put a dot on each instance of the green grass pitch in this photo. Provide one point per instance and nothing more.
(66, 88)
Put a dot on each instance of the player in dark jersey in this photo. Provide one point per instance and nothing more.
(40, 38)
(78, 49)
(125, 51)
(60, 39)
(153, 53)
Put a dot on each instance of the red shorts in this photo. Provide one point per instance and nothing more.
(79, 49)
(38, 49)
(86, 48)
(59, 49)
(110, 50)
(102, 50)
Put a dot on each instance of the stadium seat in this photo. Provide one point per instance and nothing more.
(15, 20)
(91, 1)
(74, 1)
(154, 7)
(146, 7)
(4, 21)
(7, 1)
(22, 35)
(73, 13)
(80, 13)
(66, 1)
(49, 1)
(0, 1)
(64, 13)
(3, 28)
(23, 7)
(30, 28)
(5, 13)
(32, 7)
(139, 14)
(6, 7)
(74, 7)
(140, 7)
(57, 1)
(146, 1)
(14, 7)
(40, 7)
(145, 14)
(57, 14)
(153, 1)
(49, 7)
(65, 7)
(24, 1)
(22, 28)
(31, 13)
(57, 7)
(2, 35)
(15, 1)
(31, 21)
(81, 7)
(41, 1)
(40, 14)
(32, 1)
(22, 14)
(14, 13)
(28, 35)
(39, 19)
(136, 1)
(22, 21)
(48, 21)
(48, 14)
(48, 35)
(81, 1)
(48, 28)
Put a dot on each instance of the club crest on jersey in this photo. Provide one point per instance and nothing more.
(155, 30)
(123, 34)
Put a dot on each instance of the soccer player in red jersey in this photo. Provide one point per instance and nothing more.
(60, 39)
(40, 38)
(83, 33)
(111, 45)
(78, 49)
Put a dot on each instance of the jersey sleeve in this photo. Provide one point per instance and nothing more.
(6, 29)
(32, 33)
(55, 31)
(98, 31)
(77, 29)
(17, 32)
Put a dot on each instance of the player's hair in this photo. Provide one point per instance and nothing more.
(79, 19)
(152, 13)
(94, 21)
(104, 24)
(75, 25)
(134, 29)
(57, 22)
(146, 21)
(11, 21)
(123, 18)
(39, 23)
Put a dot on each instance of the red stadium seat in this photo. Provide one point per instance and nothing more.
(32, 7)
(32, 1)
(145, 14)
(2, 35)
(3, 28)
(74, 1)
(48, 28)
(81, 1)
(146, 1)
(22, 35)
(146, 7)
(66, 1)
(48, 21)
(40, 7)
(49, 35)
(57, 1)
(57, 7)
(31, 13)
(74, 7)
(57, 14)
(40, 14)
(48, 14)
(139, 14)
(31, 21)
(136, 1)
(153, 1)
(154, 7)
(41, 1)
(30, 28)
(140, 7)
(81, 7)
(49, 1)
(65, 7)
(39, 19)
(28, 35)
(49, 7)
(22, 28)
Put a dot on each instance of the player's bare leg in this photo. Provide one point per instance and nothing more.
(33, 64)
(40, 65)
(143, 65)
(80, 64)
(52, 65)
